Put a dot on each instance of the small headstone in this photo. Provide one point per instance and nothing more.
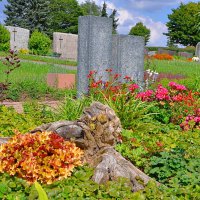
(66, 45)
(185, 54)
(128, 57)
(152, 53)
(197, 53)
(19, 37)
(165, 51)
(94, 49)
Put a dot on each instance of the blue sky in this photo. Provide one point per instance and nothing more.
(153, 13)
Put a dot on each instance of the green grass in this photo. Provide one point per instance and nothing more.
(43, 59)
(189, 69)
(29, 82)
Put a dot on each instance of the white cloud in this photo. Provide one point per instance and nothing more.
(128, 19)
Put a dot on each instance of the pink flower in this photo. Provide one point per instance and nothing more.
(133, 87)
(162, 93)
(176, 86)
(145, 96)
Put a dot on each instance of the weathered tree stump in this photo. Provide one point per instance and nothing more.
(97, 132)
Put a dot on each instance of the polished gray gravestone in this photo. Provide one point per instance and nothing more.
(19, 37)
(94, 49)
(128, 57)
(197, 53)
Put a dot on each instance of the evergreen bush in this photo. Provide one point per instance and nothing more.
(39, 43)
(4, 39)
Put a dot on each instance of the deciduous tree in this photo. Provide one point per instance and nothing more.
(141, 30)
(91, 8)
(64, 15)
(183, 24)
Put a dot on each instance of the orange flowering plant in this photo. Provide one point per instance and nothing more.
(44, 157)
(162, 57)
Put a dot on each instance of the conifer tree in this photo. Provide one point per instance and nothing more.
(115, 24)
(30, 14)
(104, 10)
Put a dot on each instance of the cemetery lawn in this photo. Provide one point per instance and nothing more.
(45, 59)
(189, 69)
(29, 82)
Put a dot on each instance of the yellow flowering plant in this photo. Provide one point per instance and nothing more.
(45, 157)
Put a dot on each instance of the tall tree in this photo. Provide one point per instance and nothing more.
(91, 8)
(64, 15)
(104, 10)
(115, 24)
(141, 30)
(30, 14)
(182, 25)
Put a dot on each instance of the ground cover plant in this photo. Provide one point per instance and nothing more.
(161, 137)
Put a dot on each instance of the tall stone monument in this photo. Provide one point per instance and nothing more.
(94, 49)
(65, 44)
(197, 53)
(128, 56)
(19, 37)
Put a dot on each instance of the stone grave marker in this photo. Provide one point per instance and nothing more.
(65, 44)
(165, 51)
(94, 49)
(197, 53)
(185, 54)
(128, 57)
(19, 37)
(152, 53)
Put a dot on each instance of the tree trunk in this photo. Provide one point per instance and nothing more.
(97, 132)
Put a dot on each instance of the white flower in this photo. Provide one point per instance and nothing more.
(196, 59)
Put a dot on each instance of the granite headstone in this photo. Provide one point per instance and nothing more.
(128, 57)
(165, 51)
(94, 49)
(185, 54)
(197, 53)
(19, 37)
(66, 45)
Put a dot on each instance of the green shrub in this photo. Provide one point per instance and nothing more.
(4, 39)
(39, 43)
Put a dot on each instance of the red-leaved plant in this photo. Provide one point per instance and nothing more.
(44, 157)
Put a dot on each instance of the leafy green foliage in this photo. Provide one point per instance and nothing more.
(182, 25)
(42, 194)
(64, 16)
(34, 116)
(141, 30)
(39, 43)
(174, 166)
(4, 39)
(78, 186)
(91, 8)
